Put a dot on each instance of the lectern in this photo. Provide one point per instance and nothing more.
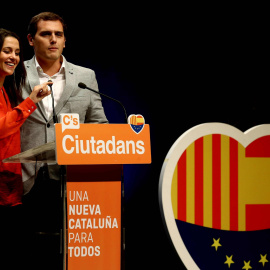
(91, 159)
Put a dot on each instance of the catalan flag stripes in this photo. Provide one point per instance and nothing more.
(205, 183)
(133, 120)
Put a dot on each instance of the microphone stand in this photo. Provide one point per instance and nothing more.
(82, 85)
(63, 196)
(55, 120)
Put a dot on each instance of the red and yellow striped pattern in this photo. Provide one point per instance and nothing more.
(136, 120)
(213, 184)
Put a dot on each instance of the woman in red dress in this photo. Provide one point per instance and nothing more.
(13, 112)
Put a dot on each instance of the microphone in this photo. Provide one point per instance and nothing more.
(55, 120)
(82, 85)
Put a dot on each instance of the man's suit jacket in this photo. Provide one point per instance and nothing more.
(38, 129)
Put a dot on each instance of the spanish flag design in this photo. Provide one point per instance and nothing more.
(220, 198)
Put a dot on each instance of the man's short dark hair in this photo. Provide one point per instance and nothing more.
(46, 16)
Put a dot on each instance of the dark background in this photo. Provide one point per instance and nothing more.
(178, 66)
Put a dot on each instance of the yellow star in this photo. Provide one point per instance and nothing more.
(263, 259)
(247, 265)
(216, 243)
(229, 261)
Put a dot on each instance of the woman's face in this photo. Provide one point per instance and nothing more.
(9, 56)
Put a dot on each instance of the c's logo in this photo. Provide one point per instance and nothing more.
(215, 197)
(70, 121)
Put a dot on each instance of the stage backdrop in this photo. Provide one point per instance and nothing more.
(178, 66)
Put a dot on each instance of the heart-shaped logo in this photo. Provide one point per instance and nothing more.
(136, 122)
(214, 193)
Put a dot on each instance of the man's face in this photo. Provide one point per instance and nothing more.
(49, 40)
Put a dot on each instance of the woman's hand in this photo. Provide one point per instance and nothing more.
(40, 91)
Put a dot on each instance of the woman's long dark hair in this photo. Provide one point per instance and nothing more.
(13, 84)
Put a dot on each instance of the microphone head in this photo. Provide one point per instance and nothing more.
(50, 85)
(82, 85)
